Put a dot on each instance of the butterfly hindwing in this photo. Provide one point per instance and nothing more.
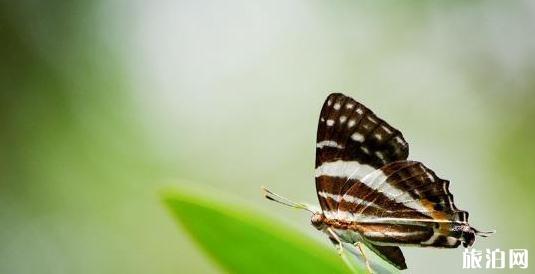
(401, 197)
(391, 254)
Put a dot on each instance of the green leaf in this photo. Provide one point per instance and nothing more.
(244, 242)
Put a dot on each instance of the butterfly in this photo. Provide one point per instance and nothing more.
(371, 195)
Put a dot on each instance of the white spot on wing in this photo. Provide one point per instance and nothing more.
(451, 240)
(357, 137)
(330, 123)
(329, 102)
(386, 129)
(329, 143)
(360, 111)
(350, 199)
(431, 240)
(351, 123)
(378, 136)
(336, 106)
(399, 140)
(380, 155)
(343, 119)
(349, 106)
(371, 119)
(322, 119)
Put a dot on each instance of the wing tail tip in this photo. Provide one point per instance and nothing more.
(469, 237)
(484, 233)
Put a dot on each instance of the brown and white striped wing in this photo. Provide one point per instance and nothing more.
(405, 203)
(351, 142)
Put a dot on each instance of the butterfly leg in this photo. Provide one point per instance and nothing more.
(340, 248)
(336, 241)
(359, 245)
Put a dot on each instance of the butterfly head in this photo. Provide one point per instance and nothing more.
(318, 221)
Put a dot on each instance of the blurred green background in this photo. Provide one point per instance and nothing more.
(104, 102)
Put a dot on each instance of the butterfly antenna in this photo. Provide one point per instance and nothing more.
(283, 200)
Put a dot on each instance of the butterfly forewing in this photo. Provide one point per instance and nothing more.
(351, 142)
(349, 131)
